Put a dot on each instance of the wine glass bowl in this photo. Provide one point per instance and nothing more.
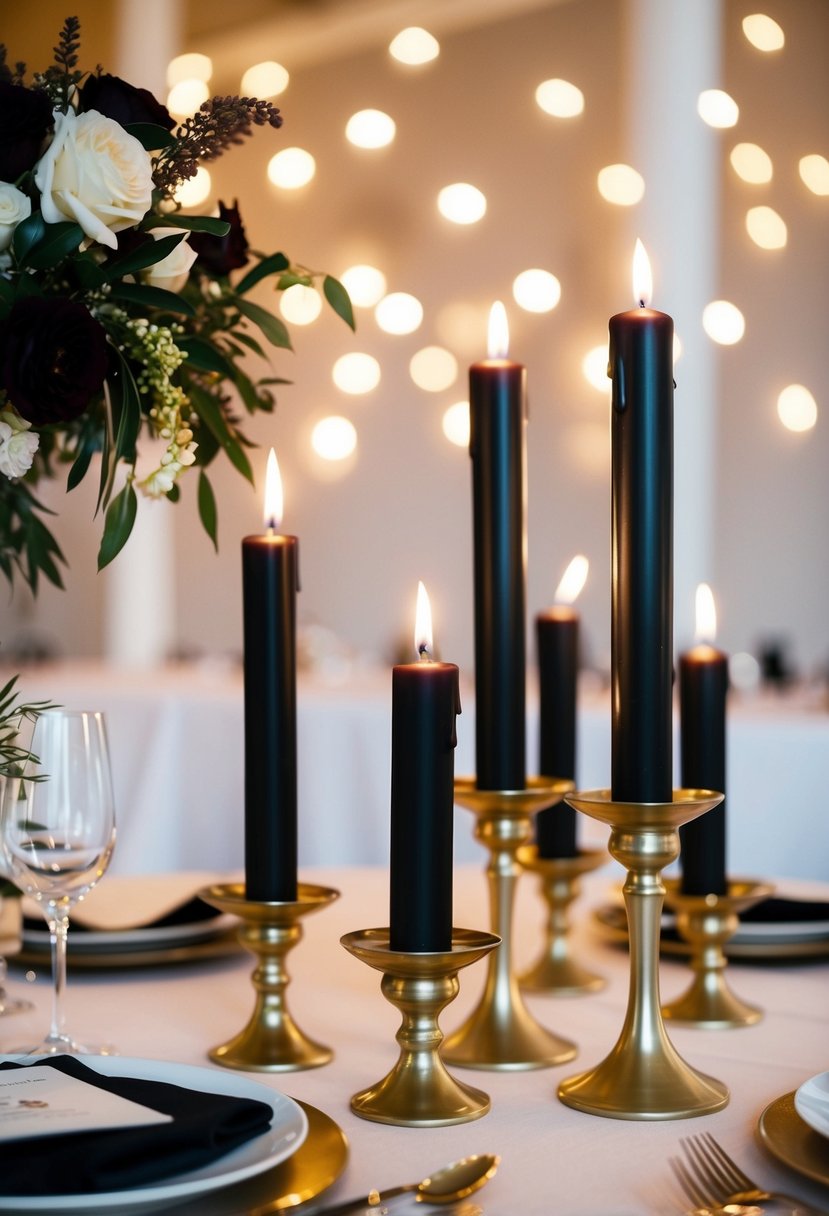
(58, 833)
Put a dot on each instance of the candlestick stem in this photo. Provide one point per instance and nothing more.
(556, 970)
(707, 922)
(419, 1091)
(271, 1041)
(501, 1033)
(644, 1077)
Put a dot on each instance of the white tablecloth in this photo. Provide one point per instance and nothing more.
(555, 1161)
(177, 751)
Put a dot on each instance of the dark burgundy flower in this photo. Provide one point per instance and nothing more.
(117, 99)
(53, 359)
(25, 121)
(220, 254)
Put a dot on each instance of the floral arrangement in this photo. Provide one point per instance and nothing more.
(118, 316)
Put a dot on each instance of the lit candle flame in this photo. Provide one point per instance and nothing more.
(642, 276)
(498, 334)
(274, 500)
(573, 580)
(706, 614)
(423, 625)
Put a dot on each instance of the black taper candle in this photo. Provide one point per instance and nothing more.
(425, 702)
(557, 643)
(497, 441)
(641, 366)
(270, 581)
(703, 687)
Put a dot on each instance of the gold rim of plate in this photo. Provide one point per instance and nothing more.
(790, 1139)
(313, 1168)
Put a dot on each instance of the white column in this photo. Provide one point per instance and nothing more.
(140, 584)
(673, 53)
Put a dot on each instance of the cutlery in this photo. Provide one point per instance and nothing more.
(711, 1180)
(446, 1185)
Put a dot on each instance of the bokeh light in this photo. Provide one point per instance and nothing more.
(300, 304)
(717, 108)
(621, 184)
(267, 79)
(723, 322)
(462, 203)
(365, 284)
(356, 373)
(536, 290)
(195, 190)
(291, 168)
(560, 98)
(399, 313)
(763, 32)
(370, 129)
(433, 368)
(190, 66)
(752, 164)
(334, 438)
(456, 424)
(186, 96)
(814, 173)
(414, 46)
(797, 408)
(766, 228)
(594, 367)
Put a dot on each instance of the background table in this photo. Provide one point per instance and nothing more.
(177, 749)
(556, 1161)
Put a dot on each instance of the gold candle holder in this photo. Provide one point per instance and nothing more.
(706, 922)
(644, 1077)
(501, 1033)
(271, 1041)
(556, 970)
(419, 1091)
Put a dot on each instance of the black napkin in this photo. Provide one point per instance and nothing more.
(193, 912)
(778, 911)
(205, 1126)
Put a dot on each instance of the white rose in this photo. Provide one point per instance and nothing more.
(94, 173)
(17, 446)
(14, 207)
(171, 272)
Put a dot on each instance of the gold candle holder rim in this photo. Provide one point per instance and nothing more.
(231, 897)
(554, 867)
(372, 947)
(741, 891)
(685, 805)
(539, 792)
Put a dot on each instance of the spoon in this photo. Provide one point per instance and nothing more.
(447, 1185)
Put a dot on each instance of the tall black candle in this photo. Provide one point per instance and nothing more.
(497, 441)
(703, 687)
(557, 644)
(641, 366)
(425, 702)
(269, 585)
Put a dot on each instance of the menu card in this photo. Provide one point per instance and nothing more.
(39, 1100)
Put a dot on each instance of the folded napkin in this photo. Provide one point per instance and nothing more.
(130, 902)
(205, 1126)
(193, 911)
(779, 911)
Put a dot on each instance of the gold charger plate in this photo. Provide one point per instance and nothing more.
(315, 1166)
(792, 1141)
(225, 944)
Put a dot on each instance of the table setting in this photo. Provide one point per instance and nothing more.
(234, 1055)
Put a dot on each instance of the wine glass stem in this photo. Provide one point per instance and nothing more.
(58, 930)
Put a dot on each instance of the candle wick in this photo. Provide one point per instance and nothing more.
(641, 303)
(423, 652)
(272, 526)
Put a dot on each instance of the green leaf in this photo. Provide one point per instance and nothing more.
(210, 411)
(270, 265)
(339, 299)
(152, 297)
(139, 259)
(7, 296)
(81, 463)
(207, 509)
(89, 274)
(205, 357)
(27, 234)
(118, 523)
(58, 242)
(290, 280)
(273, 329)
(193, 223)
(126, 411)
(248, 341)
(150, 135)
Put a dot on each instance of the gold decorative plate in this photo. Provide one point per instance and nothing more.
(315, 1166)
(792, 1141)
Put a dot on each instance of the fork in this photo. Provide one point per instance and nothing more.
(711, 1179)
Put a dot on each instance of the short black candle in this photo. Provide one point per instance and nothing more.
(497, 441)
(703, 688)
(557, 643)
(641, 365)
(425, 702)
(269, 584)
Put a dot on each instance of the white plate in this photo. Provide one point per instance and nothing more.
(811, 1102)
(150, 938)
(286, 1133)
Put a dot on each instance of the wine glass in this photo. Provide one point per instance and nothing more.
(57, 834)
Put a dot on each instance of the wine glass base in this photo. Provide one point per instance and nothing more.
(63, 1045)
(11, 1005)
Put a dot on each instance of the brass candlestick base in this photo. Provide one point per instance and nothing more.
(706, 922)
(556, 970)
(501, 1033)
(644, 1077)
(419, 1092)
(271, 1041)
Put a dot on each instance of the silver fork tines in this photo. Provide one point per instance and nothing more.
(711, 1179)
